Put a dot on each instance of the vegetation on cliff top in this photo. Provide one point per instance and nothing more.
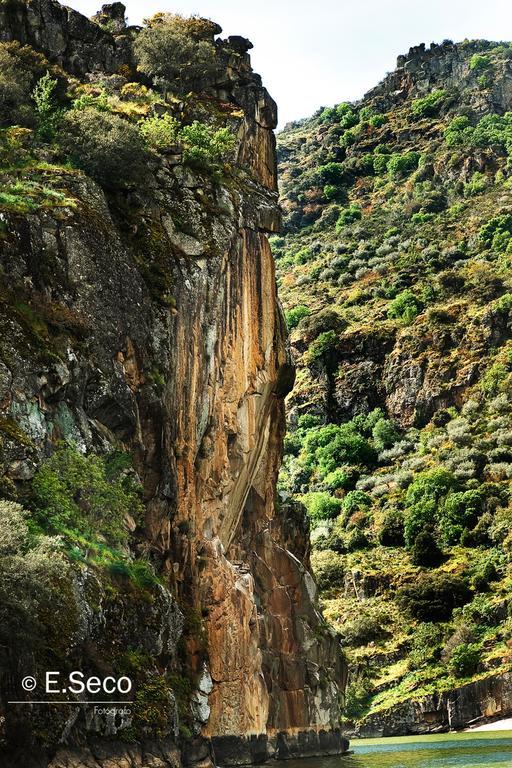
(394, 271)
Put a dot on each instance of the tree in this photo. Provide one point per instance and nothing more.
(105, 146)
(46, 109)
(433, 597)
(425, 550)
(178, 53)
(15, 83)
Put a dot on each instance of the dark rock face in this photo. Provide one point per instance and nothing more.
(474, 703)
(195, 393)
(65, 36)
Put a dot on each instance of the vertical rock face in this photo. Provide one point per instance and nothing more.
(196, 394)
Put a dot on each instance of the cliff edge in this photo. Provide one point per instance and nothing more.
(143, 370)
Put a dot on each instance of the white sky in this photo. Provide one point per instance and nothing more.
(312, 53)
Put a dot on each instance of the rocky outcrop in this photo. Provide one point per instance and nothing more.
(480, 701)
(193, 386)
(65, 36)
(446, 66)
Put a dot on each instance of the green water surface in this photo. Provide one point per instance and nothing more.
(462, 750)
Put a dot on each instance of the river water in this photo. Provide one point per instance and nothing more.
(462, 750)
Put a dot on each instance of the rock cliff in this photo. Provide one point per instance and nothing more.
(143, 322)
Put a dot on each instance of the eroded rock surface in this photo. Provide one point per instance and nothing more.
(193, 387)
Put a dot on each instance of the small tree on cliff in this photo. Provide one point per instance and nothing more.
(177, 53)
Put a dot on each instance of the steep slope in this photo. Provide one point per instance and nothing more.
(143, 366)
(395, 276)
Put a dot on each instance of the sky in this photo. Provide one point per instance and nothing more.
(314, 53)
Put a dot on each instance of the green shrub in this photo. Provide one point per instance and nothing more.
(105, 146)
(419, 517)
(384, 434)
(339, 478)
(324, 343)
(380, 162)
(322, 506)
(459, 511)
(328, 569)
(377, 120)
(357, 698)
(423, 501)
(406, 306)
(332, 192)
(348, 216)
(205, 147)
(426, 645)
(429, 105)
(91, 101)
(493, 379)
(425, 550)
(369, 626)
(20, 68)
(160, 132)
(73, 492)
(465, 659)
(32, 570)
(401, 165)
(434, 597)
(48, 115)
(332, 446)
(459, 131)
(355, 501)
(497, 233)
(295, 315)
(177, 53)
(391, 533)
(485, 573)
(331, 173)
(348, 118)
(479, 62)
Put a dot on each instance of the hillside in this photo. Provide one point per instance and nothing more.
(394, 271)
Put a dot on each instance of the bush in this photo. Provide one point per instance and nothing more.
(429, 106)
(31, 568)
(367, 627)
(357, 698)
(406, 306)
(355, 501)
(20, 68)
(330, 447)
(434, 597)
(497, 233)
(384, 434)
(322, 506)
(426, 645)
(425, 551)
(391, 533)
(295, 315)
(331, 173)
(401, 165)
(177, 53)
(348, 216)
(465, 659)
(325, 342)
(47, 113)
(105, 146)
(160, 132)
(205, 147)
(73, 492)
(327, 569)
(479, 62)
(460, 511)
